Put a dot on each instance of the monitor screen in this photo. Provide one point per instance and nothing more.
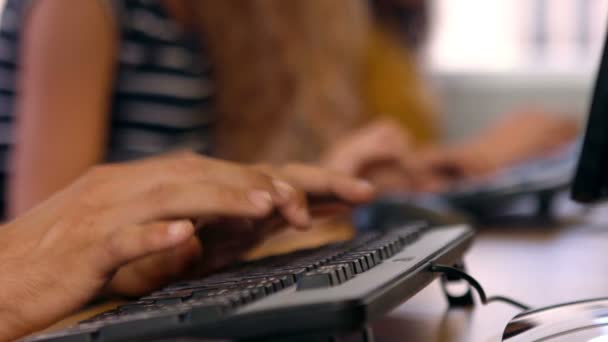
(591, 180)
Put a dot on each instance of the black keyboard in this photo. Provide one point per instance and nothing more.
(335, 288)
(540, 177)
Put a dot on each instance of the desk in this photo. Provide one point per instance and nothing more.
(536, 266)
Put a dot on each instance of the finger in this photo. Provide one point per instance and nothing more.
(169, 201)
(388, 178)
(130, 243)
(392, 146)
(188, 167)
(235, 175)
(413, 171)
(383, 140)
(318, 181)
(295, 210)
(362, 153)
(295, 207)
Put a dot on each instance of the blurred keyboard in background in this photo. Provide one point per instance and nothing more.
(524, 193)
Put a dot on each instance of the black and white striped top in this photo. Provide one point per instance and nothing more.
(163, 91)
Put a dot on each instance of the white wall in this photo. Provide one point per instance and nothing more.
(471, 101)
(485, 61)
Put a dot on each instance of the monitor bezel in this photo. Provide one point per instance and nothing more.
(590, 183)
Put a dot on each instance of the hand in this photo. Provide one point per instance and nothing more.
(226, 240)
(316, 182)
(380, 152)
(515, 139)
(443, 167)
(62, 253)
(315, 187)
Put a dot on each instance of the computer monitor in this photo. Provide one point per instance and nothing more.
(591, 181)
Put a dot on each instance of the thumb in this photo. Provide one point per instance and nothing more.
(130, 243)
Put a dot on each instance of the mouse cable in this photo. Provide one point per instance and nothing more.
(454, 272)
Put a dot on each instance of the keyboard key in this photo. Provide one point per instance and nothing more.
(346, 269)
(167, 301)
(375, 253)
(287, 280)
(318, 279)
(210, 309)
(167, 295)
(356, 264)
(339, 271)
(363, 260)
(132, 308)
(137, 326)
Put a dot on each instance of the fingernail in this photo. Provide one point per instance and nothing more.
(284, 190)
(178, 230)
(261, 199)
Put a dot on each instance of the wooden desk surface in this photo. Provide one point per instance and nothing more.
(536, 266)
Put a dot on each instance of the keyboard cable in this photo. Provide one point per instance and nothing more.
(456, 273)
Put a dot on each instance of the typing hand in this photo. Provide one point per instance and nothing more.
(312, 190)
(224, 240)
(62, 253)
(380, 152)
(444, 167)
(514, 139)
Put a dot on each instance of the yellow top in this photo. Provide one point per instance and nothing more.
(393, 88)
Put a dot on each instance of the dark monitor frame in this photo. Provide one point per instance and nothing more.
(591, 181)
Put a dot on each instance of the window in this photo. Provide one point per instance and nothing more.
(507, 35)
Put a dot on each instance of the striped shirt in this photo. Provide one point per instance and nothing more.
(163, 93)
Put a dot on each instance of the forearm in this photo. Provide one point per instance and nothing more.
(34, 180)
(33, 291)
(11, 327)
(524, 136)
(16, 299)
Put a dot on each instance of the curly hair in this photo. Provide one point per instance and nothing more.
(287, 74)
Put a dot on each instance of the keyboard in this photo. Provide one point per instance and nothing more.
(335, 288)
(535, 182)
(522, 194)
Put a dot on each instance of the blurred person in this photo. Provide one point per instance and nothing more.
(339, 83)
(126, 229)
(299, 68)
(294, 66)
(393, 84)
(395, 89)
